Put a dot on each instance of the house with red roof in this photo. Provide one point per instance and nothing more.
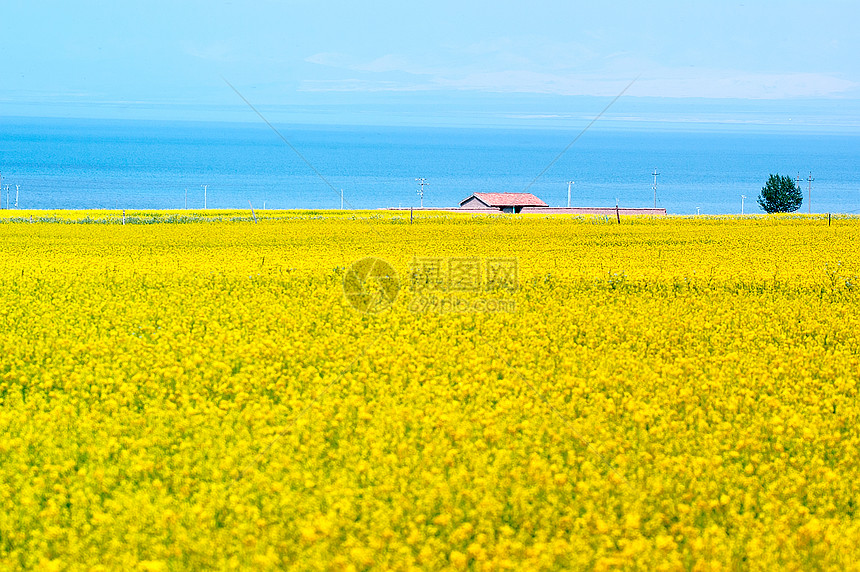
(504, 202)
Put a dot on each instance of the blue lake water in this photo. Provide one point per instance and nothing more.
(75, 164)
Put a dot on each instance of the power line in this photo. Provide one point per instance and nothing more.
(284, 139)
(581, 133)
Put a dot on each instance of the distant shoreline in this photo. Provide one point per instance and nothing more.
(544, 210)
(147, 216)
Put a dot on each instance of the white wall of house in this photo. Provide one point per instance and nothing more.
(474, 203)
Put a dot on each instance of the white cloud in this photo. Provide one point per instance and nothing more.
(375, 75)
(677, 84)
(358, 85)
(387, 63)
(537, 65)
(331, 59)
(743, 85)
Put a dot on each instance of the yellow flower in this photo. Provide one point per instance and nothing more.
(665, 393)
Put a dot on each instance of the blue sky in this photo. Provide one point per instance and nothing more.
(538, 63)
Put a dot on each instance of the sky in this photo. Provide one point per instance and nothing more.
(701, 64)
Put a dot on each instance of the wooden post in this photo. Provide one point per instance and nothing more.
(617, 214)
(123, 216)
(410, 215)
(828, 219)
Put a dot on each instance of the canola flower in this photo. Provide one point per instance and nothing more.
(676, 393)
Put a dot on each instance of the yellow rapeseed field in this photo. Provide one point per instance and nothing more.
(195, 391)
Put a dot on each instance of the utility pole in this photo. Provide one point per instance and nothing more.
(656, 174)
(186, 198)
(341, 199)
(16, 196)
(742, 203)
(809, 200)
(204, 195)
(569, 184)
(421, 182)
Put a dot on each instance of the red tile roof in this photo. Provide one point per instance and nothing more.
(508, 199)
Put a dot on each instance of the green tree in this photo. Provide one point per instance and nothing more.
(780, 195)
